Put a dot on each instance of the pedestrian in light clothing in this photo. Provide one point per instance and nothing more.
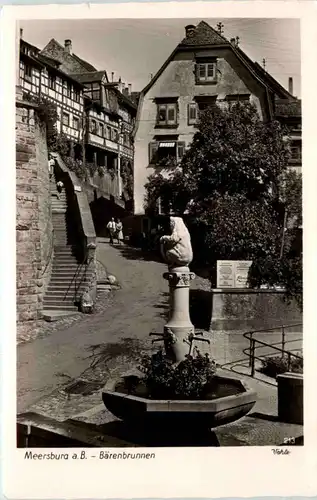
(119, 231)
(51, 163)
(111, 226)
(59, 186)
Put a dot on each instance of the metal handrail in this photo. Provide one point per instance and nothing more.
(252, 347)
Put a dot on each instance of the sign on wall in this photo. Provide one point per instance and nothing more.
(233, 273)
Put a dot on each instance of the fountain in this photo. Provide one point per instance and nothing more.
(226, 399)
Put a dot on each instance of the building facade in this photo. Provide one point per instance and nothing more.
(41, 76)
(93, 112)
(205, 69)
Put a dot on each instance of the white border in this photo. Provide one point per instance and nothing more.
(177, 472)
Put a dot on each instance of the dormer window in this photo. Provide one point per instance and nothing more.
(206, 71)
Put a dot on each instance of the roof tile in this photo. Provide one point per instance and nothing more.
(204, 35)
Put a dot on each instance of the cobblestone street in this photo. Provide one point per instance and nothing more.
(61, 351)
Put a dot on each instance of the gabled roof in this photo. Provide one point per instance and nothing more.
(84, 63)
(90, 77)
(54, 46)
(204, 34)
(273, 84)
(29, 45)
(49, 60)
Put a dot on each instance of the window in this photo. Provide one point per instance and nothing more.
(192, 113)
(204, 102)
(296, 152)
(206, 72)
(28, 72)
(166, 153)
(66, 119)
(101, 129)
(108, 134)
(51, 82)
(93, 91)
(76, 123)
(76, 95)
(93, 126)
(235, 98)
(166, 114)
(69, 91)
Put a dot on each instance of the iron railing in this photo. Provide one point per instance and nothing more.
(258, 344)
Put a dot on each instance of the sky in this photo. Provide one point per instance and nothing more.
(136, 48)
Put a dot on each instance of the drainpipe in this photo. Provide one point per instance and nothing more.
(119, 174)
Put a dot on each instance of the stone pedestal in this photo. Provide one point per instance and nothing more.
(179, 326)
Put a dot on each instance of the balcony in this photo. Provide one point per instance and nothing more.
(102, 142)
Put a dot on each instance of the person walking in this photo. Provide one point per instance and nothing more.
(119, 232)
(59, 186)
(111, 226)
(51, 164)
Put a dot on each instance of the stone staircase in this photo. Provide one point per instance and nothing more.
(68, 276)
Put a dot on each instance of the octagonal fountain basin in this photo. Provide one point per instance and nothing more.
(228, 399)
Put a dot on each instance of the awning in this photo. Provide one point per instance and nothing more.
(166, 144)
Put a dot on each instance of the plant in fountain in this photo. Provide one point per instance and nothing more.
(185, 380)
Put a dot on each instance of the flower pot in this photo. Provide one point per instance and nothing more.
(228, 399)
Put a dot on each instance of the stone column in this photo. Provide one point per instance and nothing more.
(179, 326)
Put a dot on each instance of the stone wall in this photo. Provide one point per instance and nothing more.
(33, 217)
(242, 310)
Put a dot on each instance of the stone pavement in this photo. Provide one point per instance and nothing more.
(62, 372)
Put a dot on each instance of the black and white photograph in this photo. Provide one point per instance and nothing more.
(159, 234)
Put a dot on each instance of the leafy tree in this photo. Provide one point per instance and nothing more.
(234, 187)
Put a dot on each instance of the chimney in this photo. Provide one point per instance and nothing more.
(68, 46)
(112, 75)
(290, 85)
(190, 30)
(21, 32)
(129, 89)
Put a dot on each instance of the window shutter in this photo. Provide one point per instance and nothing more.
(153, 147)
(180, 150)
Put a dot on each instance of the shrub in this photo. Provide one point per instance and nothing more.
(276, 365)
(186, 380)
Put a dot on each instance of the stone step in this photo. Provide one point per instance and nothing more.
(70, 260)
(60, 299)
(64, 290)
(55, 315)
(55, 307)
